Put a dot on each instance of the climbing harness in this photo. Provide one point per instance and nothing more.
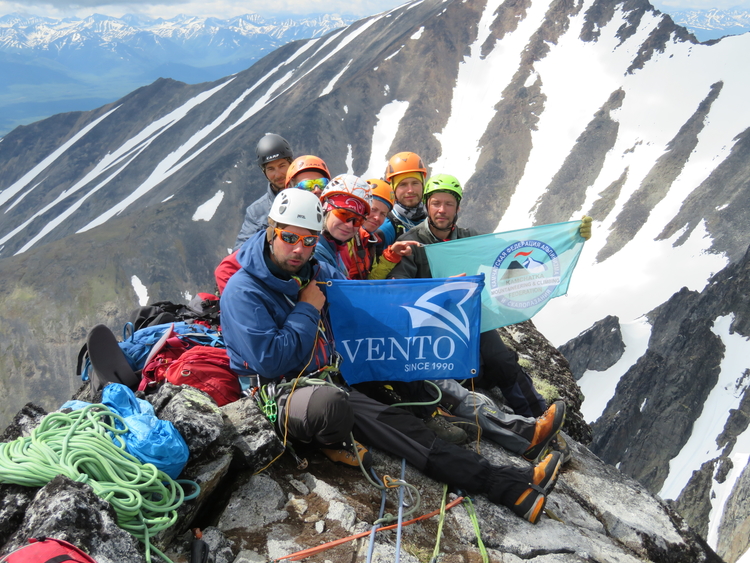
(86, 445)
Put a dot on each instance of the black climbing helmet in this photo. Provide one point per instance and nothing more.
(272, 147)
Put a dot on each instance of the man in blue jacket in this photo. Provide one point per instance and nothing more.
(275, 326)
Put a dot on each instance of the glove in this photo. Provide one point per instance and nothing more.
(585, 229)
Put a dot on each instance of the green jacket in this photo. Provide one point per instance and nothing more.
(416, 265)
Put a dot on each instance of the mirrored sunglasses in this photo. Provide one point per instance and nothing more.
(348, 216)
(310, 185)
(293, 238)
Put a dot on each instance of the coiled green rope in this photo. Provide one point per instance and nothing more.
(86, 446)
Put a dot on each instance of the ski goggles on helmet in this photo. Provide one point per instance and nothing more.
(293, 238)
(310, 185)
(348, 216)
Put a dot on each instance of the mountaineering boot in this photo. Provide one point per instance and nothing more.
(471, 427)
(445, 430)
(560, 444)
(345, 455)
(547, 427)
(530, 504)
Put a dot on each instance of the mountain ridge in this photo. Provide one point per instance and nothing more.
(51, 61)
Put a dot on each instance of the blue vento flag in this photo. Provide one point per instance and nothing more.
(406, 330)
(524, 269)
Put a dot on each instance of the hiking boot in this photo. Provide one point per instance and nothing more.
(445, 430)
(472, 429)
(530, 504)
(547, 427)
(345, 455)
(560, 444)
(385, 394)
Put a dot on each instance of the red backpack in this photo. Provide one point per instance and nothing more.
(47, 550)
(206, 368)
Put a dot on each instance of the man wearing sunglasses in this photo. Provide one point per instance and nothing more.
(309, 173)
(306, 172)
(276, 328)
(274, 155)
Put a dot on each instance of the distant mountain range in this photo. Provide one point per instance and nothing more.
(713, 23)
(51, 66)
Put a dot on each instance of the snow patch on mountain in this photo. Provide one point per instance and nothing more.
(481, 81)
(166, 167)
(720, 492)
(21, 183)
(386, 127)
(140, 290)
(207, 210)
(329, 87)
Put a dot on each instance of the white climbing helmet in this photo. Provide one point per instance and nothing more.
(298, 208)
(348, 192)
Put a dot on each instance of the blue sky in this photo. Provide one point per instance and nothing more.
(228, 8)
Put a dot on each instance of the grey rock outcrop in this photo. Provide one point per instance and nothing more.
(735, 522)
(70, 511)
(598, 348)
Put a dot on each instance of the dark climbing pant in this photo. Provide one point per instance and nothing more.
(500, 369)
(400, 433)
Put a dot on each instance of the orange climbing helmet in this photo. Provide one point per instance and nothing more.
(382, 191)
(306, 162)
(403, 162)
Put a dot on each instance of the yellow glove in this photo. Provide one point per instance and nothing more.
(585, 229)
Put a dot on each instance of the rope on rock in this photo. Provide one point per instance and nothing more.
(441, 521)
(473, 515)
(323, 547)
(87, 446)
(371, 546)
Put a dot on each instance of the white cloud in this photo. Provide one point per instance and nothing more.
(679, 5)
(218, 8)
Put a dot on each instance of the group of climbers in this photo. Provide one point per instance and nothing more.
(276, 327)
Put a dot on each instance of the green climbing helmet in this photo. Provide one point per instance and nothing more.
(443, 183)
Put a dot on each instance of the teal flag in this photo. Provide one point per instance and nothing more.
(523, 269)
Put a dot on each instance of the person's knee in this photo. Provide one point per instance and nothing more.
(329, 415)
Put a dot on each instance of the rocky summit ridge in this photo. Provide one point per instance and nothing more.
(254, 509)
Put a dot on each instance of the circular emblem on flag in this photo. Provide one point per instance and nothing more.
(524, 274)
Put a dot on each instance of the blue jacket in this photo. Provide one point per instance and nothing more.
(327, 253)
(266, 329)
(256, 217)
